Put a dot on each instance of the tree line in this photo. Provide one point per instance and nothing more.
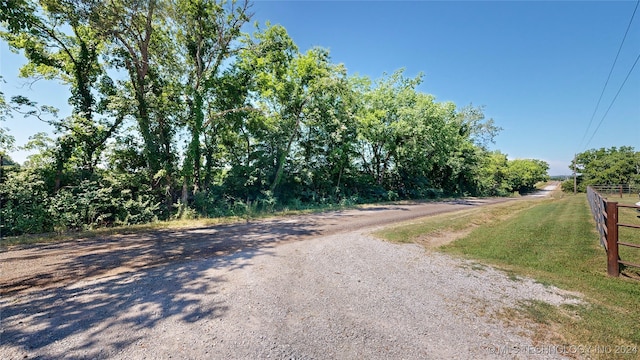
(612, 166)
(178, 112)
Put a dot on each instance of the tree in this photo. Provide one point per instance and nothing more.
(475, 127)
(411, 144)
(6, 140)
(493, 172)
(134, 31)
(460, 169)
(207, 30)
(71, 56)
(326, 147)
(611, 166)
(283, 89)
(381, 126)
(142, 42)
(16, 14)
(523, 174)
(429, 141)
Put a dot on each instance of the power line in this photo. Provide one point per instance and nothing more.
(613, 101)
(586, 131)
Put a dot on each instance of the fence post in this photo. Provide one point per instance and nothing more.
(613, 267)
(1, 167)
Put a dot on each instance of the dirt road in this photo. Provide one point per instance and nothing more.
(38, 266)
(300, 287)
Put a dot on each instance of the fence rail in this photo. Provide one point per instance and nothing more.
(597, 205)
(616, 189)
(606, 214)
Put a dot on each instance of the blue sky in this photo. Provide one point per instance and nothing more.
(538, 68)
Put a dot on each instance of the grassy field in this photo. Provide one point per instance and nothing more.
(553, 241)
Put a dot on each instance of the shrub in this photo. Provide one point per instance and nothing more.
(107, 201)
(24, 204)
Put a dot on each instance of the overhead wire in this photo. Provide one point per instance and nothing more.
(586, 131)
(613, 101)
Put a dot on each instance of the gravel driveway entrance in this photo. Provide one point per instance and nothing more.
(308, 287)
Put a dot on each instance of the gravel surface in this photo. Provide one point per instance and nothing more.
(342, 295)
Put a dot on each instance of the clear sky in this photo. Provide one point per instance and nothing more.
(538, 67)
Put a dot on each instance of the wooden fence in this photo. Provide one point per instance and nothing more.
(616, 189)
(605, 213)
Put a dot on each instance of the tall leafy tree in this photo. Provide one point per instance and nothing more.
(492, 174)
(403, 133)
(15, 15)
(6, 140)
(459, 169)
(208, 31)
(72, 56)
(139, 42)
(283, 87)
(379, 117)
(142, 42)
(523, 174)
(326, 148)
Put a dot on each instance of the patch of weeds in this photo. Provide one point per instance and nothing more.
(511, 275)
(535, 317)
(539, 311)
(572, 311)
(478, 267)
(475, 266)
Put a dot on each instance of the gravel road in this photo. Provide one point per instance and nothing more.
(306, 287)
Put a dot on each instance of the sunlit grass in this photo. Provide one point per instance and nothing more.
(554, 242)
(454, 221)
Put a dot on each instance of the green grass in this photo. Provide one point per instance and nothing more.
(629, 235)
(625, 199)
(458, 221)
(555, 243)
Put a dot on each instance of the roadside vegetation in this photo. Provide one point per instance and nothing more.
(612, 167)
(249, 213)
(555, 242)
(180, 111)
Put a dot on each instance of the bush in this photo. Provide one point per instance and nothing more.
(116, 199)
(105, 202)
(184, 212)
(567, 186)
(24, 204)
(267, 201)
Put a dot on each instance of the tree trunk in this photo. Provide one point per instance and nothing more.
(283, 159)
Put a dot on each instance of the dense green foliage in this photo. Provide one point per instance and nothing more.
(613, 166)
(177, 112)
